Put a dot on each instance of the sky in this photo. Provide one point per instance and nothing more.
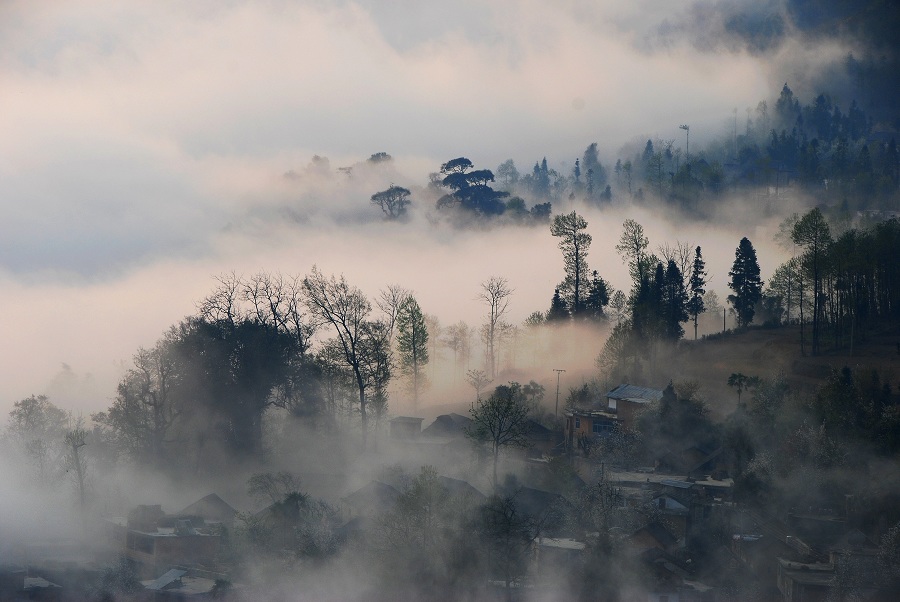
(144, 148)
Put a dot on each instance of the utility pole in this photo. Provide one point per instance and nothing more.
(556, 411)
(687, 148)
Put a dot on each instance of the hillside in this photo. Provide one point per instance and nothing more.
(763, 352)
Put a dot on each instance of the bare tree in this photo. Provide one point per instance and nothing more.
(389, 301)
(479, 380)
(36, 426)
(458, 338)
(145, 407)
(495, 292)
(75, 463)
(682, 253)
(500, 420)
(338, 383)
(277, 302)
(434, 329)
(223, 304)
(347, 310)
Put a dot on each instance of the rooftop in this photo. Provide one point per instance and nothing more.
(635, 394)
(210, 507)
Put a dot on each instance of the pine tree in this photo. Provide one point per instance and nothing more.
(559, 309)
(597, 298)
(745, 282)
(695, 305)
(574, 242)
(673, 303)
(412, 344)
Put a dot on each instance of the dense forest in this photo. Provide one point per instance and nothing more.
(836, 153)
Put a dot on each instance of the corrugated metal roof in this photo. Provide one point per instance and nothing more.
(678, 484)
(635, 393)
(168, 577)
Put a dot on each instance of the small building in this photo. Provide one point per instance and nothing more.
(406, 427)
(156, 541)
(211, 509)
(667, 579)
(371, 500)
(805, 582)
(583, 426)
(626, 401)
(448, 426)
(15, 584)
(541, 441)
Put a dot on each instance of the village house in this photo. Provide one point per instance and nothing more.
(406, 428)
(156, 541)
(583, 426)
(448, 426)
(623, 405)
(627, 401)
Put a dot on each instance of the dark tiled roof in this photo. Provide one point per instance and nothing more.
(211, 507)
(373, 498)
(448, 425)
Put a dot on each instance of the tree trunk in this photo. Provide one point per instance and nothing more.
(496, 457)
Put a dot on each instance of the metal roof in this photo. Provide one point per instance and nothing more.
(678, 484)
(167, 578)
(635, 394)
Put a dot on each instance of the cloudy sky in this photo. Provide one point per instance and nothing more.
(144, 147)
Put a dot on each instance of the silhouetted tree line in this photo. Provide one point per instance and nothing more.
(839, 154)
(204, 388)
(840, 287)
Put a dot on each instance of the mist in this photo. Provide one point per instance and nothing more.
(151, 153)
(148, 143)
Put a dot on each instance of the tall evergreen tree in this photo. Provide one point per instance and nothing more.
(559, 309)
(597, 298)
(412, 344)
(591, 162)
(695, 305)
(673, 303)
(574, 242)
(745, 282)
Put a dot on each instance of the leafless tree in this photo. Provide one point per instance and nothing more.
(479, 380)
(495, 292)
(501, 421)
(76, 464)
(682, 253)
(223, 304)
(277, 302)
(144, 409)
(434, 329)
(359, 339)
(458, 338)
(389, 301)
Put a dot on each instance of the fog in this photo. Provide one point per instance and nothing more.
(148, 150)
(47, 322)
(143, 147)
